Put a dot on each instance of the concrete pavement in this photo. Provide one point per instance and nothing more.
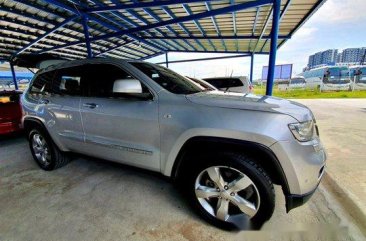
(96, 200)
(342, 124)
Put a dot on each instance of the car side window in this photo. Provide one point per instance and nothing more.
(67, 81)
(100, 79)
(42, 83)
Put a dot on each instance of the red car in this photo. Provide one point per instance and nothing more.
(10, 112)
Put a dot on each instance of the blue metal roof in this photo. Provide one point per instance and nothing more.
(139, 29)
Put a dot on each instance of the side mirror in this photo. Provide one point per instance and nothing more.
(127, 86)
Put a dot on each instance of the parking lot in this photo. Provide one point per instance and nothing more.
(93, 199)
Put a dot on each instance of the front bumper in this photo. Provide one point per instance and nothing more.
(303, 165)
(294, 200)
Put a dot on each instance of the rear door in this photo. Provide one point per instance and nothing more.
(119, 128)
(58, 98)
(63, 106)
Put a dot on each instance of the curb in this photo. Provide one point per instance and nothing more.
(347, 200)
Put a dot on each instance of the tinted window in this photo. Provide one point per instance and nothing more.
(88, 80)
(168, 79)
(42, 83)
(67, 81)
(222, 83)
(100, 79)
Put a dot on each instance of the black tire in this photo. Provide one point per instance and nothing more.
(57, 157)
(245, 164)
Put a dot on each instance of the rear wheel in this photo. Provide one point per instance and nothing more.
(229, 190)
(45, 152)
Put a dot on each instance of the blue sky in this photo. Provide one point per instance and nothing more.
(337, 24)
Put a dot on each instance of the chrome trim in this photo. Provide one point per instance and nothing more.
(119, 147)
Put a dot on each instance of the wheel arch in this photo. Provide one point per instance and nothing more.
(266, 158)
(31, 122)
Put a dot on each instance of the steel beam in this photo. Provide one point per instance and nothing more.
(251, 67)
(220, 52)
(234, 25)
(198, 25)
(196, 16)
(103, 23)
(13, 75)
(151, 56)
(172, 16)
(205, 59)
(288, 3)
(57, 14)
(254, 26)
(117, 7)
(137, 16)
(273, 52)
(118, 16)
(87, 38)
(306, 18)
(263, 30)
(157, 18)
(62, 24)
(222, 37)
(166, 60)
(113, 48)
(213, 19)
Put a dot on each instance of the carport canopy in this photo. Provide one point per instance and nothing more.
(139, 29)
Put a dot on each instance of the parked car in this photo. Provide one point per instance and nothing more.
(10, 112)
(226, 150)
(202, 83)
(231, 84)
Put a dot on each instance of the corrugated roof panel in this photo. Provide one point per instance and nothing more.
(24, 21)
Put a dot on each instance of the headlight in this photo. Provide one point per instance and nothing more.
(303, 131)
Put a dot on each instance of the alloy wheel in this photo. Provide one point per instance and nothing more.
(225, 192)
(41, 149)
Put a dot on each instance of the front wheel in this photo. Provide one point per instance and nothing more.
(45, 152)
(229, 189)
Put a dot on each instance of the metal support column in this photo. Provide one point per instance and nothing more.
(166, 60)
(251, 67)
(273, 51)
(87, 37)
(14, 76)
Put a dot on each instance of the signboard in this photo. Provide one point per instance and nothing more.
(283, 71)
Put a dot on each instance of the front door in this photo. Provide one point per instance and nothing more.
(119, 128)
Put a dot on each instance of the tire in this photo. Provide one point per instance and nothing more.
(50, 158)
(258, 191)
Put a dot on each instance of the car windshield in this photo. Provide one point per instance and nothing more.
(168, 79)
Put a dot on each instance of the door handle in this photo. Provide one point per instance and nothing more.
(44, 101)
(90, 105)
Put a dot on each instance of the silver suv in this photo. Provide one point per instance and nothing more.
(226, 150)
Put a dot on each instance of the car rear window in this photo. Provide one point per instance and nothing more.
(221, 83)
(42, 83)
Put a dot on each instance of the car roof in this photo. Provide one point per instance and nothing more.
(72, 63)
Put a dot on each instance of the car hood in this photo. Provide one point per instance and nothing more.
(252, 102)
